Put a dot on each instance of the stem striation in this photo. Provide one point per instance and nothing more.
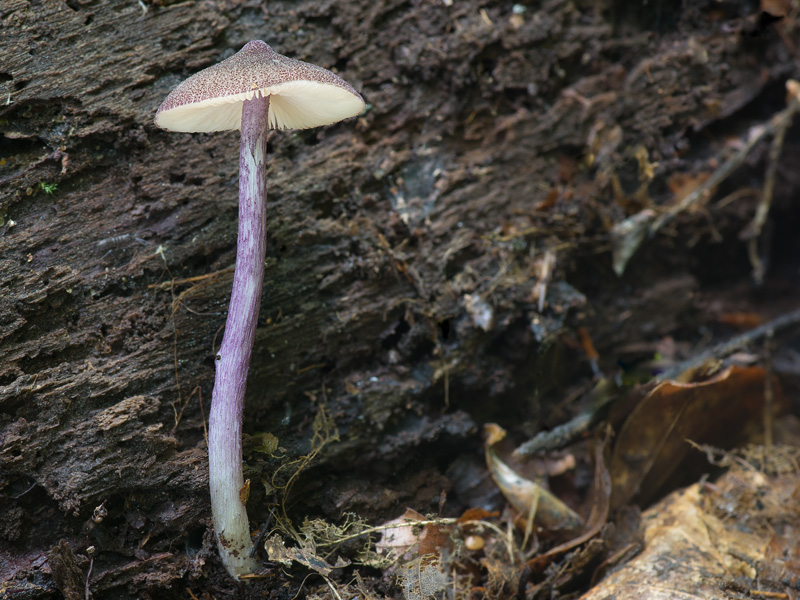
(231, 525)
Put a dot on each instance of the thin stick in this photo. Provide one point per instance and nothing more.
(735, 344)
(627, 235)
(179, 413)
(87, 593)
(769, 394)
(203, 417)
(171, 285)
(173, 282)
(262, 536)
(702, 191)
(781, 126)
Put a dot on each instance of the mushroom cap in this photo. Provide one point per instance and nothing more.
(301, 95)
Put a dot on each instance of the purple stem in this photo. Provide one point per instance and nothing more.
(233, 359)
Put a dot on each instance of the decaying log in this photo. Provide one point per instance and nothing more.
(406, 248)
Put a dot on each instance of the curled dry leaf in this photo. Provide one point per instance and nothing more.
(600, 501)
(244, 492)
(651, 446)
(278, 552)
(627, 236)
(400, 535)
(527, 497)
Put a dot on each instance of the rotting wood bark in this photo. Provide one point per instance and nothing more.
(469, 163)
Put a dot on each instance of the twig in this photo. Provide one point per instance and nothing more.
(173, 282)
(777, 125)
(603, 394)
(717, 177)
(763, 594)
(566, 433)
(781, 126)
(203, 417)
(179, 413)
(262, 536)
(735, 344)
(627, 235)
(769, 394)
(559, 436)
(90, 551)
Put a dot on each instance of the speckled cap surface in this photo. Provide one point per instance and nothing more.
(302, 95)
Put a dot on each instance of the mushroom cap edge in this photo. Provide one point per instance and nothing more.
(302, 95)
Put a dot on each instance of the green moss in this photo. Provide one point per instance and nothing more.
(48, 188)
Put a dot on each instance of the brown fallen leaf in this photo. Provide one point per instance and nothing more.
(683, 184)
(598, 517)
(401, 535)
(651, 445)
(527, 497)
(280, 553)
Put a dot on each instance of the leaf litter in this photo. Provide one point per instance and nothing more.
(540, 547)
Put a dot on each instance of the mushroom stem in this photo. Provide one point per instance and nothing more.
(233, 359)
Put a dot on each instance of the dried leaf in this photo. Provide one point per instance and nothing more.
(526, 496)
(421, 578)
(627, 236)
(740, 320)
(476, 514)
(400, 534)
(683, 184)
(278, 552)
(651, 444)
(600, 502)
(244, 492)
(434, 539)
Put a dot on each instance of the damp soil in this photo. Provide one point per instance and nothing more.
(429, 263)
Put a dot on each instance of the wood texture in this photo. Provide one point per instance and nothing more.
(405, 248)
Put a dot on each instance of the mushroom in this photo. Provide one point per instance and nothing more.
(254, 90)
